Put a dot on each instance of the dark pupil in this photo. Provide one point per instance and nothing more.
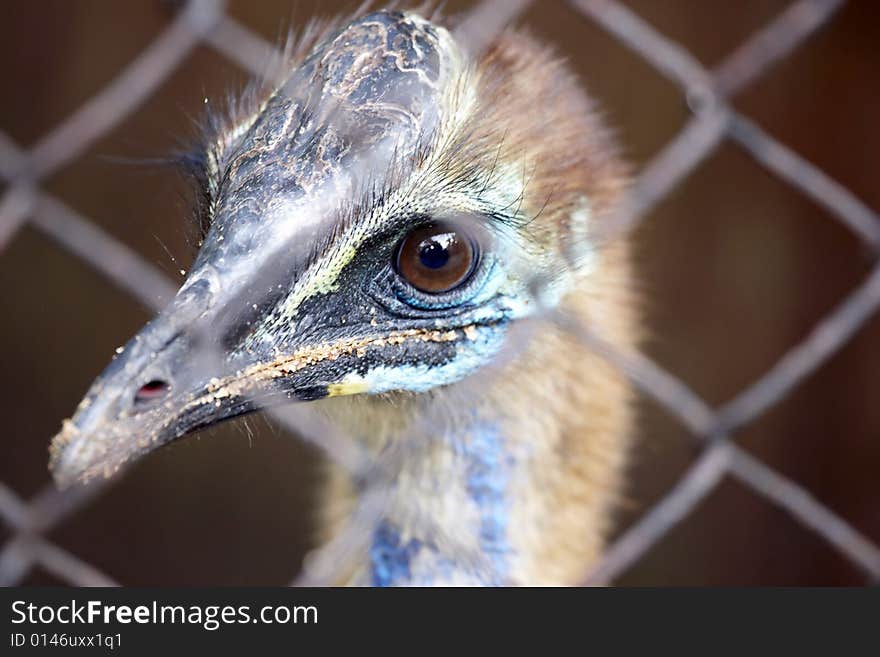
(432, 254)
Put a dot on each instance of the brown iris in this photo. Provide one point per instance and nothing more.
(435, 258)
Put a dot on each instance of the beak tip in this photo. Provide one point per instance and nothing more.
(66, 463)
(58, 459)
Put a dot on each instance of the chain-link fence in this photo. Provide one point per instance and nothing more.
(713, 120)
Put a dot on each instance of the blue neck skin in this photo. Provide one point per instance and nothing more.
(482, 466)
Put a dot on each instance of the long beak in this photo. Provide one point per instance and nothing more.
(172, 379)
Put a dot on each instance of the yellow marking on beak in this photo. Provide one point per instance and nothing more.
(342, 389)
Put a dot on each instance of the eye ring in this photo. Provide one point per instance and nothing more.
(436, 258)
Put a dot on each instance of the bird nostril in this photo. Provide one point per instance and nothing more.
(151, 391)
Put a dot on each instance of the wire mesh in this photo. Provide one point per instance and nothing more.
(713, 120)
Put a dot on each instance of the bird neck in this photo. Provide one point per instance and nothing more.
(446, 502)
(502, 479)
(449, 513)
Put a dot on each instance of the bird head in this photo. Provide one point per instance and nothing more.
(377, 222)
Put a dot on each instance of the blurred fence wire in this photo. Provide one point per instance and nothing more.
(713, 120)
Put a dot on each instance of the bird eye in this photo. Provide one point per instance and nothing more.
(436, 258)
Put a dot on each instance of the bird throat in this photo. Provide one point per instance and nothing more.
(464, 536)
(443, 510)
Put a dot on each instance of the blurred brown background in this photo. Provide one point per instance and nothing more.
(735, 267)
